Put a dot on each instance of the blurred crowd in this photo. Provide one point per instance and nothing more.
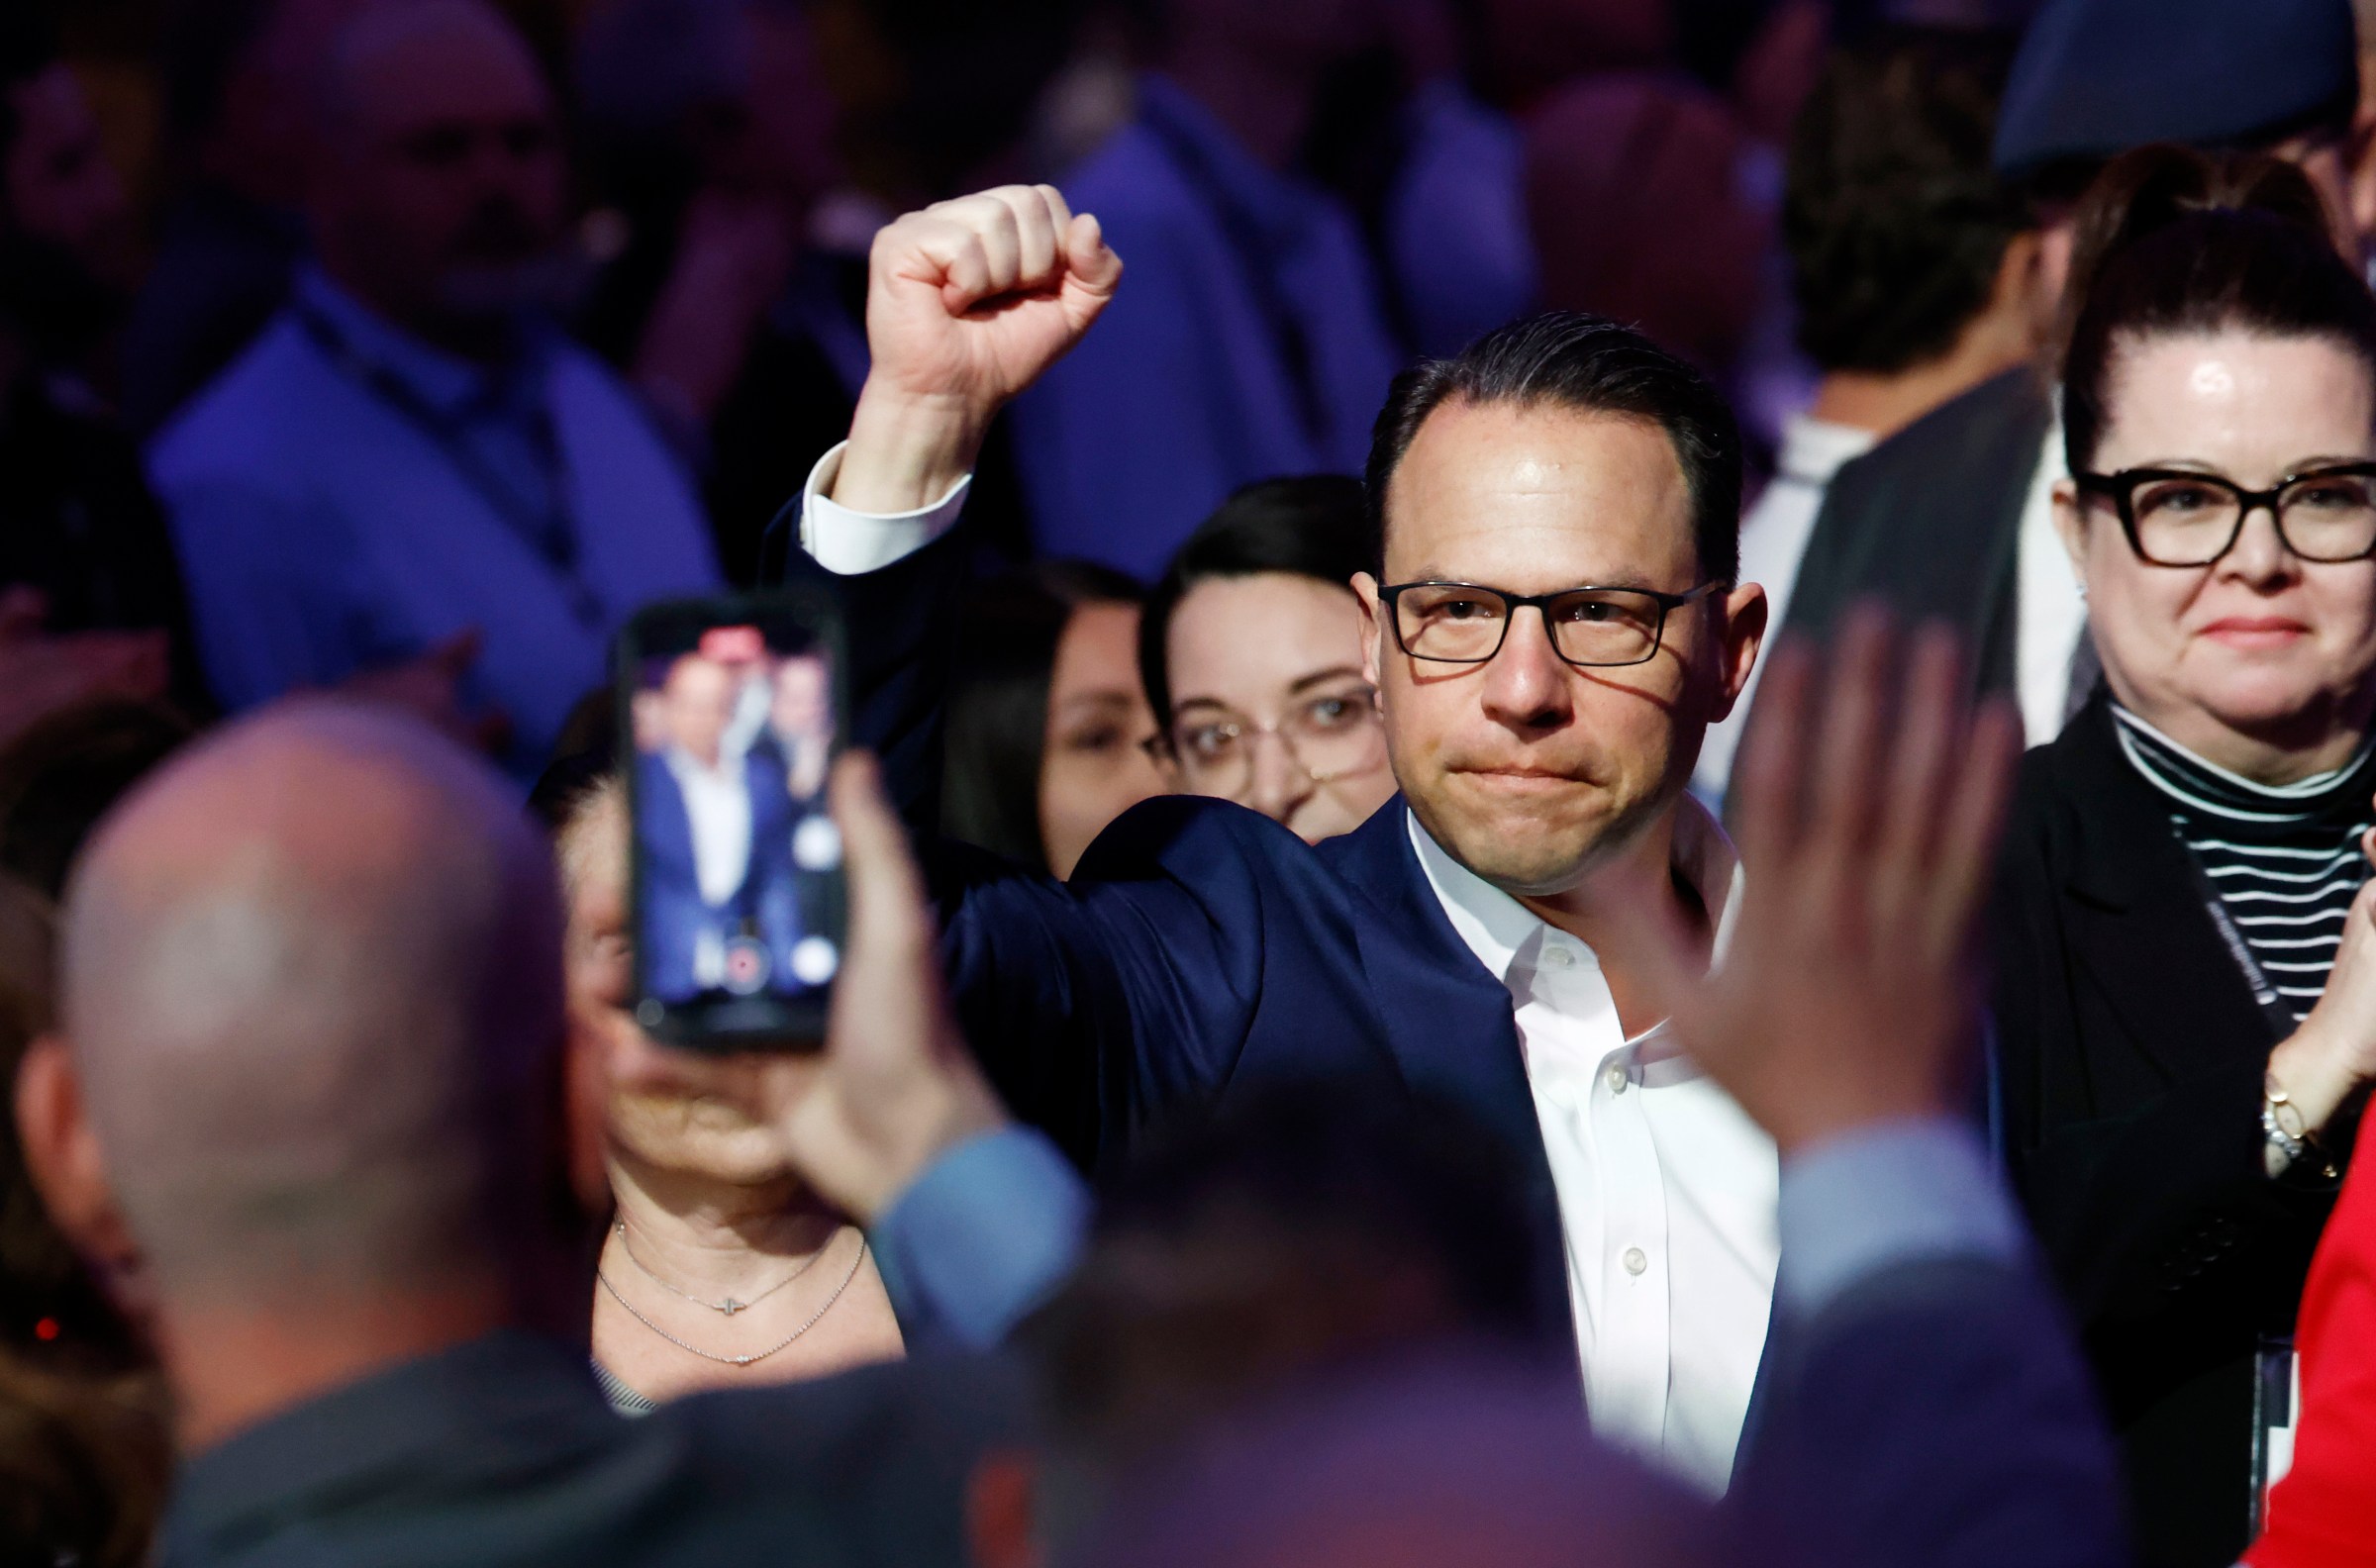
(1352, 1047)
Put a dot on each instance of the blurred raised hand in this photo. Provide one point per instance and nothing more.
(1870, 795)
(967, 303)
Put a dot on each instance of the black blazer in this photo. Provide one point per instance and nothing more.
(1929, 522)
(2130, 1054)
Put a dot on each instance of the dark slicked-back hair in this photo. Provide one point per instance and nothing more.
(1895, 221)
(2172, 240)
(1314, 525)
(1588, 364)
(997, 745)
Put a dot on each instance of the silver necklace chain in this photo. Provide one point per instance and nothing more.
(729, 1306)
(756, 1355)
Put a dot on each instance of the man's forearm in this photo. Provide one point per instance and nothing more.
(905, 452)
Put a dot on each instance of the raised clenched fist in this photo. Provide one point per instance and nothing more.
(967, 303)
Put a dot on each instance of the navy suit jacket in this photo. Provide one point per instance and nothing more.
(1198, 945)
(1935, 1415)
(674, 913)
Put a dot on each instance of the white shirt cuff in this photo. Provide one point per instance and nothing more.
(847, 543)
(1896, 1193)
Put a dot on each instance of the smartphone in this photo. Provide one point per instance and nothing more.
(731, 710)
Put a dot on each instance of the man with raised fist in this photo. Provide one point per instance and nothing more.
(1552, 627)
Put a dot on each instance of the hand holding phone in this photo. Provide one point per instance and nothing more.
(894, 1087)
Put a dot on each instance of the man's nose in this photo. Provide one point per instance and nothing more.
(1279, 781)
(1527, 683)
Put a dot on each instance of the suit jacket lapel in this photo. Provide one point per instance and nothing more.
(1935, 551)
(1447, 1021)
(1971, 538)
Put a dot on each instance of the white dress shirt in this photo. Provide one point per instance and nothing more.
(2049, 616)
(718, 811)
(1773, 541)
(1666, 1188)
(718, 805)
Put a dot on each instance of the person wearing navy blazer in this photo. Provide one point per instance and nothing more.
(1481, 937)
(691, 923)
(679, 923)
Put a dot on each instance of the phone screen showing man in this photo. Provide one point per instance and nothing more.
(738, 863)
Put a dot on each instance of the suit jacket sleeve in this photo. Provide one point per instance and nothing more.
(1936, 1413)
(901, 630)
(1091, 1006)
(1098, 1004)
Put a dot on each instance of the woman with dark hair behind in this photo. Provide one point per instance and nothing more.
(1251, 651)
(1046, 718)
(2186, 944)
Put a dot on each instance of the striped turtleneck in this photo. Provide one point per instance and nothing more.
(2284, 858)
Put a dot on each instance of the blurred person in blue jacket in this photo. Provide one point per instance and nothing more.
(412, 467)
(1253, 339)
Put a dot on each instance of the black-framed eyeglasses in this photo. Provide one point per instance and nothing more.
(2175, 517)
(1456, 622)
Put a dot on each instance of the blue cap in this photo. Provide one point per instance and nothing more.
(2096, 77)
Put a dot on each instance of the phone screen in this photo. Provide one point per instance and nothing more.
(731, 714)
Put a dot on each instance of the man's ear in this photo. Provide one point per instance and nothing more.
(1746, 610)
(1373, 627)
(64, 1159)
(1001, 1513)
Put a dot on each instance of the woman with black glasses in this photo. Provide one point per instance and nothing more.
(2186, 992)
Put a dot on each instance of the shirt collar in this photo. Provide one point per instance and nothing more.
(2198, 781)
(1814, 450)
(1501, 931)
(446, 383)
(424, 1415)
(686, 767)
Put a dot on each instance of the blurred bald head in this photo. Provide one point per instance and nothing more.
(311, 982)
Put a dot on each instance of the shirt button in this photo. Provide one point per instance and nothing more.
(1616, 1078)
(1559, 957)
(1637, 1260)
